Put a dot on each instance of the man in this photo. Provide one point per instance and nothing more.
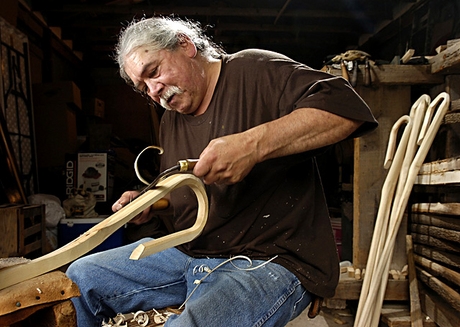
(255, 119)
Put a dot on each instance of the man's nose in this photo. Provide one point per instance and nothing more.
(155, 89)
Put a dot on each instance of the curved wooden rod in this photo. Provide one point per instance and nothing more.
(148, 248)
(97, 234)
(393, 203)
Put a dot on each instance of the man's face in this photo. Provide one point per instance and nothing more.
(173, 79)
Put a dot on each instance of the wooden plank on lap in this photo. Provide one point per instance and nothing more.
(97, 234)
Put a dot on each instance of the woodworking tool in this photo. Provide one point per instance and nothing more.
(185, 165)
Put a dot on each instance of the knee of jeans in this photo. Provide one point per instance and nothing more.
(78, 270)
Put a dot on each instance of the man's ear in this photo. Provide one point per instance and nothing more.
(187, 45)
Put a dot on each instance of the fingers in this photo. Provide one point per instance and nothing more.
(202, 170)
(220, 171)
(125, 198)
(142, 218)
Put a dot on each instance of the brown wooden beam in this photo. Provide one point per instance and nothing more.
(451, 296)
(396, 75)
(435, 307)
(350, 289)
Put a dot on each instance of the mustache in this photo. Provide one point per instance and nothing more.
(168, 94)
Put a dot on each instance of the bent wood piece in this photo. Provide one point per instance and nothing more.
(97, 234)
(393, 161)
(434, 116)
(432, 121)
(148, 248)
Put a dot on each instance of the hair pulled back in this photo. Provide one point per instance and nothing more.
(162, 33)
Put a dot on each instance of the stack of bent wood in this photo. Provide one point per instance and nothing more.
(403, 162)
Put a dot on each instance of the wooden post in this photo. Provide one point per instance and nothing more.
(416, 316)
(388, 104)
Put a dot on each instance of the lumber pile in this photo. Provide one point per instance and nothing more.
(435, 229)
(404, 162)
(393, 274)
(447, 60)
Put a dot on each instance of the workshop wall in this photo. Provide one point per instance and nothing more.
(78, 107)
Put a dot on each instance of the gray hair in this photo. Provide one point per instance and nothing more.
(162, 33)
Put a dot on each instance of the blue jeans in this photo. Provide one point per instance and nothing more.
(236, 293)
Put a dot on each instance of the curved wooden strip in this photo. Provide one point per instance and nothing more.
(180, 237)
(374, 285)
(97, 234)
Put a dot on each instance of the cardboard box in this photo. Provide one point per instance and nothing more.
(95, 174)
(70, 229)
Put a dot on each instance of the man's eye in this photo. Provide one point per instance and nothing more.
(153, 73)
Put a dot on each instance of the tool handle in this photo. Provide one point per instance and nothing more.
(161, 204)
(187, 164)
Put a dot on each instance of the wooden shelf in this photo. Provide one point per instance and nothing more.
(395, 74)
(349, 289)
(447, 61)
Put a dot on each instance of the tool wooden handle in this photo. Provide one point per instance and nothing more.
(161, 204)
(187, 164)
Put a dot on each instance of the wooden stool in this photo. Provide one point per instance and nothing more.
(45, 299)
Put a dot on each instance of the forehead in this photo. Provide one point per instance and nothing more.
(142, 56)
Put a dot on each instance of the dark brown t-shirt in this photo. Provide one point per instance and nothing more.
(279, 209)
